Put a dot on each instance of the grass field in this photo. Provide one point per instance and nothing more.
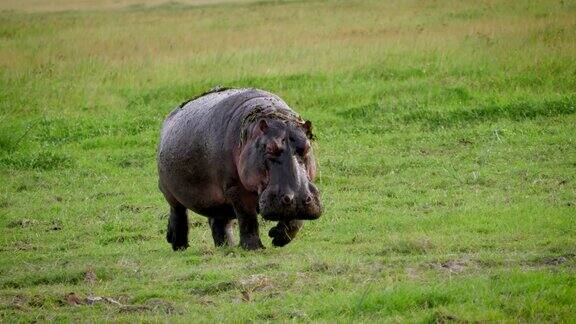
(446, 145)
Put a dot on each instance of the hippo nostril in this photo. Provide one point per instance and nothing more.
(308, 200)
(287, 199)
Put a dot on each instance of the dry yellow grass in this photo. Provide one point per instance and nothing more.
(75, 5)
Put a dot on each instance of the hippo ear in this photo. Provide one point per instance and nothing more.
(308, 129)
(263, 125)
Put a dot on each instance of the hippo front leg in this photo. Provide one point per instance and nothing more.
(244, 204)
(249, 233)
(285, 231)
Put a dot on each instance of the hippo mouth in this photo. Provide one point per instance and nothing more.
(283, 217)
(273, 210)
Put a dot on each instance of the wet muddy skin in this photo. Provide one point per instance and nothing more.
(231, 154)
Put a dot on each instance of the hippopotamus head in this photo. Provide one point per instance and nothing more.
(277, 162)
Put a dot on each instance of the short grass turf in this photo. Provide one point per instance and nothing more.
(445, 139)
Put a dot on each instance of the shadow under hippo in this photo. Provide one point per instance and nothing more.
(233, 154)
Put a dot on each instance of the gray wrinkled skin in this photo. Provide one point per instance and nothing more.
(206, 166)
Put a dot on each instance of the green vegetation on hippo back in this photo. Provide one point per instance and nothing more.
(232, 154)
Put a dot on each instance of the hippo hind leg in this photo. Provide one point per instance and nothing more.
(177, 233)
(221, 219)
(222, 230)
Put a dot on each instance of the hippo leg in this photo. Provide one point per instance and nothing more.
(177, 233)
(285, 231)
(249, 235)
(222, 231)
(244, 204)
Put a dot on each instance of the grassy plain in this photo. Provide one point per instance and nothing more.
(446, 145)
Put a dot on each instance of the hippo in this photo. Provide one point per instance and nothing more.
(231, 154)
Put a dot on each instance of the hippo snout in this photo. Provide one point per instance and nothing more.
(288, 199)
(276, 205)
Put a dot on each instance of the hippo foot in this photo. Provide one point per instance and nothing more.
(180, 247)
(178, 242)
(252, 243)
(280, 235)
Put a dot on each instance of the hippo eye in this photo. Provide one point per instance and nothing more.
(272, 155)
(273, 151)
(302, 149)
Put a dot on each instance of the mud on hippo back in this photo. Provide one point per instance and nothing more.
(233, 154)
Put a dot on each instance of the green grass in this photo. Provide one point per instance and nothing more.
(446, 146)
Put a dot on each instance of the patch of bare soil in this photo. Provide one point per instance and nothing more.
(18, 302)
(152, 305)
(454, 266)
(23, 245)
(90, 276)
(251, 284)
(22, 223)
(441, 317)
(54, 225)
(552, 261)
